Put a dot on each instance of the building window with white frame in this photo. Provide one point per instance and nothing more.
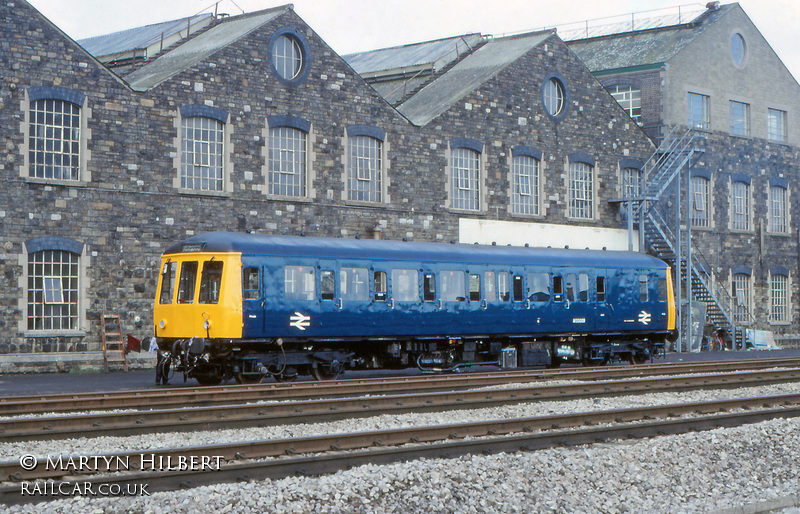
(287, 165)
(630, 99)
(740, 205)
(739, 118)
(526, 178)
(465, 176)
(55, 136)
(365, 175)
(631, 182)
(700, 201)
(741, 291)
(202, 153)
(580, 189)
(699, 112)
(53, 290)
(776, 125)
(778, 209)
(779, 297)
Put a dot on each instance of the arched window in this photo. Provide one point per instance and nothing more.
(465, 174)
(778, 218)
(742, 293)
(53, 284)
(287, 159)
(54, 133)
(365, 164)
(580, 187)
(740, 204)
(526, 180)
(202, 142)
(779, 296)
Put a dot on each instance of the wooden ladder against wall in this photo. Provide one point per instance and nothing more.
(113, 347)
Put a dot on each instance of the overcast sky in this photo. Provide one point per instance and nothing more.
(354, 25)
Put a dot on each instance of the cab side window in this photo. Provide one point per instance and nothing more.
(167, 282)
(643, 288)
(210, 282)
(187, 281)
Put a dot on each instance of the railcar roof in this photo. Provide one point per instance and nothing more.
(340, 248)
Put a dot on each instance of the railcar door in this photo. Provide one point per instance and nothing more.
(252, 299)
(602, 307)
(573, 312)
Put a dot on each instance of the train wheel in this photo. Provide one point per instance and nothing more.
(637, 358)
(247, 378)
(250, 377)
(208, 379)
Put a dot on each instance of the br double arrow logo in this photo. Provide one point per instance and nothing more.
(300, 321)
(644, 317)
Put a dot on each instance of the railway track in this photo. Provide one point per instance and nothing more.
(238, 394)
(326, 454)
(296, 411)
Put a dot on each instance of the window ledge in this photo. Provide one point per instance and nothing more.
(466, 211)
(361, 203)
(779, 234)
(199, 192)
(55, 182)
(53, 333)
(281, 198)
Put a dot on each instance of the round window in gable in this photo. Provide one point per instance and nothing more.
(555, 96)
(289, 56)
(738, 49)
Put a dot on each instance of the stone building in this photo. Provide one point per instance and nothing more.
(252, 122)
(717, 75)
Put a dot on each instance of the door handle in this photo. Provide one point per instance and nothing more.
(339, 303)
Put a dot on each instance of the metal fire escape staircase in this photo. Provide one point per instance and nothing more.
(667, 235)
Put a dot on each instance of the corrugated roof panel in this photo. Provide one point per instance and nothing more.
(468, 75)
(199, 47)
(139, 37)
(439, 52)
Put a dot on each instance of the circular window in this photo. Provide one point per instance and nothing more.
(738, 49)
(555, 96)
(287, 56)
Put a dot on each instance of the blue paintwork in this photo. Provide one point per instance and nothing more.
(271, 315)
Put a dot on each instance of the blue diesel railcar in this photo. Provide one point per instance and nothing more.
(243, 306)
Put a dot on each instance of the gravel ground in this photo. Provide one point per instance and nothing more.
(746, 469)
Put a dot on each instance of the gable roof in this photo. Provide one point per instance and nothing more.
(200, 47)
(643, 48)
(468, 75)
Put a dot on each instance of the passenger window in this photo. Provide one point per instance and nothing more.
(187, 281)
(570, 289)
(474, 288)
(503, 286)
(601, 289)
(251, 284)
(298, 283)
(518, 296)
(539, 287)
(405, 285)
(167, 282)
(429, 287)
(558, 289)
(490, 291)
(380, 285)
(327, 284)
(583, 287)
(453, 286)
(662, 289)
(643, 288)
(353, 284)
(210, 282)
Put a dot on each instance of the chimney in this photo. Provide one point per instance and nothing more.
(712, 6)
